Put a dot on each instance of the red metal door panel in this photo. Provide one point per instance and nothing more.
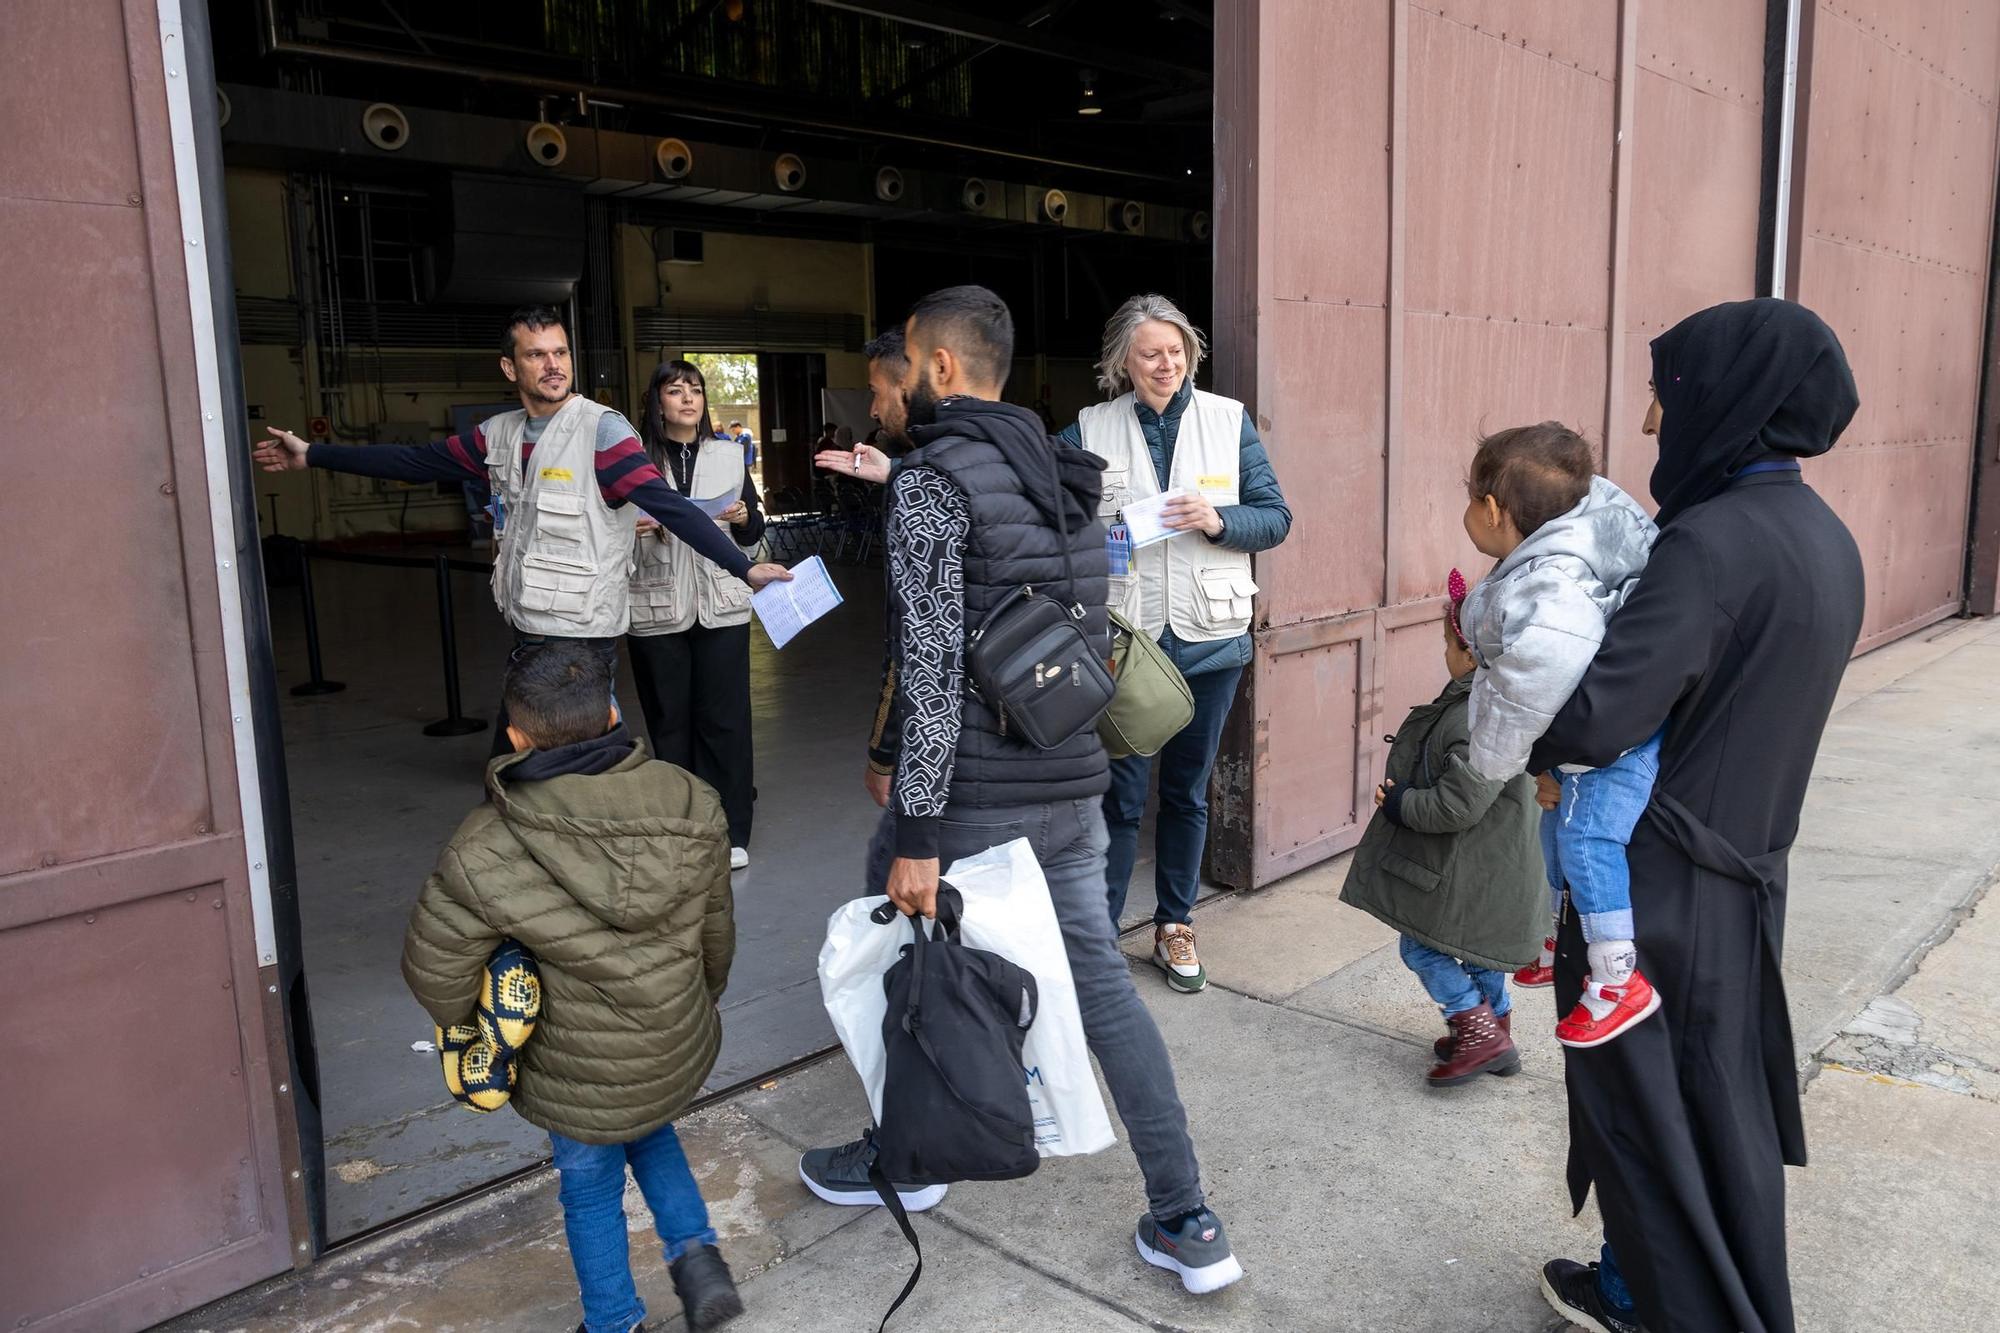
(71, 587)
(1509, 168)
(142, 1170)
(146, 1088)
(1320, 403)
(1308, 799)
(1895, 208)
(1469, 376)
(1329, 222)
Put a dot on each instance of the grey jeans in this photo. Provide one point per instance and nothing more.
(1069, 841)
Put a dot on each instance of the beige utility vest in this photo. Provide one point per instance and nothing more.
(1187, 582)
(672, 587)
(565, 557)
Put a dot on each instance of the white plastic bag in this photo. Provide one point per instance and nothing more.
(1007, 911)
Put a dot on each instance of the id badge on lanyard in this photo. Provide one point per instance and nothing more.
(1118, 546)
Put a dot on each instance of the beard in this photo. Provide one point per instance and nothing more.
(920, 405)
(552, 392)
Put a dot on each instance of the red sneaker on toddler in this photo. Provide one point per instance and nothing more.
(1603, 1011)
(1541, 972)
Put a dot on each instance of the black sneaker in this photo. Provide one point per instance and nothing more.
(707, 1291)
(1198, 1251)
(840, 1175)
(1572, 1290)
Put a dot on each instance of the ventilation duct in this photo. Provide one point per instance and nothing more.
(1129, 216)
(973, 194)
(385, 126)
(1200, 226)
(790, 172)
(546, 145)
(512, 242)
(889, 185)
(674, 159)
(1055, 206)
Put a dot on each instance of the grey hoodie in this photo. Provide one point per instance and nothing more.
(1536, 621)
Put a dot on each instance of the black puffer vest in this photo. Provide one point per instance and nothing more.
(1000, 457)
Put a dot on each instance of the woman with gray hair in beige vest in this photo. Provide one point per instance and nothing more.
(1192, 591)
(1158, 434)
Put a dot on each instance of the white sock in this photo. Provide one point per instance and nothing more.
(1547, 958)
(1612, 961)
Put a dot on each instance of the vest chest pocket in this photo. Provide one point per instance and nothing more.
(559, 587)
(559, 523)
(1117, 491)
(1222, 598)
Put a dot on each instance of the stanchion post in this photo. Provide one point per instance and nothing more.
(454, 723)
(319, 684)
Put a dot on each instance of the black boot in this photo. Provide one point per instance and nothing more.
(707, 1292)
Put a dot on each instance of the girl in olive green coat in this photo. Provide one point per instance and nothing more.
(1454, 862)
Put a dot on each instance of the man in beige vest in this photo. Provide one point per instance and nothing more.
(568, 477)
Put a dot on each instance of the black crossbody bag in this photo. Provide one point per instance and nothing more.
(1032, 663)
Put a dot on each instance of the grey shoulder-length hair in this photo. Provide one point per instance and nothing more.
(1123, 326)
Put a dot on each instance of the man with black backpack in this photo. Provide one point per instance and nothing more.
(973, 519)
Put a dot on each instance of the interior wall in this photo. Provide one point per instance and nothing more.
(741, 272)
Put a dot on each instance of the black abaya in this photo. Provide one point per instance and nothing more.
(1737, 636)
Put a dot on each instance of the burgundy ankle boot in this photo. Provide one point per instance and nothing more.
(1442, 1046)
(1479, 1046)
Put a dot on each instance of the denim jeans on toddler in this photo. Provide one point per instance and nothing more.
(1585, 836)
(1456, 986)
(593, 1202)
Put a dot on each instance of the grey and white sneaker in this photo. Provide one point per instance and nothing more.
(739, 858)
(1198, 1250)
(840, 1175)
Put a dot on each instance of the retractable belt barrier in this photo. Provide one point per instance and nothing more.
(455, 722)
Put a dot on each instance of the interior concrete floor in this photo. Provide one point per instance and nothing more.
(374, 798)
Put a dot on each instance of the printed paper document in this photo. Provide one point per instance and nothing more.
(1143, 518)
(714, 508)
(787, 608)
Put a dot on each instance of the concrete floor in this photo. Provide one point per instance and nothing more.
(1357, 1198)
(373, 800)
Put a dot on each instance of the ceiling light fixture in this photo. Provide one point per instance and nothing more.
(1087, 104)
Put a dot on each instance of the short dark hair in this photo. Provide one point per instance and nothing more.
(887, 347)
(974, 324)
(533, 318)
(559, 693)
(1535, 473)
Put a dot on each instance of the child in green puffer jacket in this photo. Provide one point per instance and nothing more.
(1453, 861)
(612, 870)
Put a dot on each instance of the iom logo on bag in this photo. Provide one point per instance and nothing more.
(1034, 1076)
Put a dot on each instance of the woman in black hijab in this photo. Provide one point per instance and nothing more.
(1736, 637)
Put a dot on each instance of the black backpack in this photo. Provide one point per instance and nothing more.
(954, 1100)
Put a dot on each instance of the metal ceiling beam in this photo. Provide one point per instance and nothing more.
(915, 14)
(966, 57)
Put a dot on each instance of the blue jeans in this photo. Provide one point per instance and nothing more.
(1068, 838)
(1456, 986)
(1182, 832)
(1584, 839)
(593, 1201)
(1611, 1283)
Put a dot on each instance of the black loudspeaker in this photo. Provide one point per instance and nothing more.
(511, 241)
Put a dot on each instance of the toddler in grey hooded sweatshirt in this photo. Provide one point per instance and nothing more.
(1571, 546)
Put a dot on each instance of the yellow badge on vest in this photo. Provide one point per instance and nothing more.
(557, 474)
(1218, 482)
